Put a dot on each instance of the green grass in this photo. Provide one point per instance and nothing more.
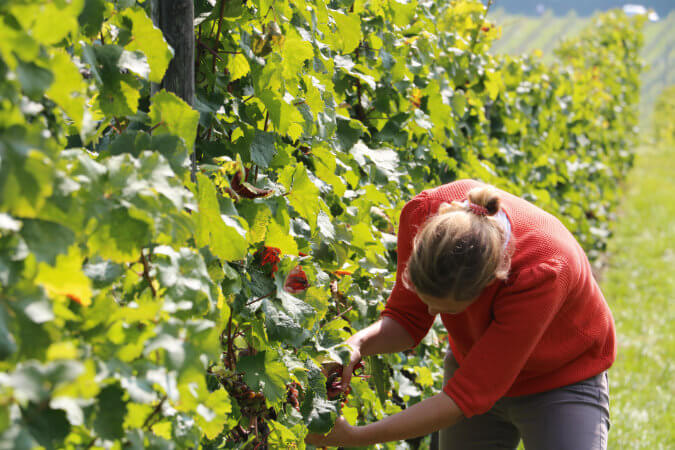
(639, 286)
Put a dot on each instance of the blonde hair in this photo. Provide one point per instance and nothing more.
(460, 250)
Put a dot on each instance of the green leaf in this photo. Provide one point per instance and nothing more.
(493, 83)
(111, 411)
(348, 33)
(34, 79)
(214, 413)
(348, 133)
(7, 341)
(282, 326)
(304, 196)
(51, 22)
(33, 382)
(459, 103)
(92, 16)
(319, 413)
(119, 237)
(283, 437)
(46, 240)
(102, 273)
(5, 419)
(119, 99)
(262, 148)
(264, 371)
(350, 414)
(384, 159)
(47, 426)
(184, 275)
(285, 117)
(326, 228)
(172, 115)
(224, 240)
(135, 62)
(149, 40)
(380, 377)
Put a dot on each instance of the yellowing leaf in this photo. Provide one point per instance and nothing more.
(348, 31)
(304, 196)
(238, 66)
(66, 277)
(162, 429)
(212, 414)
(170, 114)
(68, 89)
(62, 350)
(350, 414)
(149, 40)
(296, 52)
(281, 239)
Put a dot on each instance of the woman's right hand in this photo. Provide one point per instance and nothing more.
(354, 361)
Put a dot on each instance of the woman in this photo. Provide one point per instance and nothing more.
(531, 336)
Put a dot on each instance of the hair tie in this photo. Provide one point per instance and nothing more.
(477, 209)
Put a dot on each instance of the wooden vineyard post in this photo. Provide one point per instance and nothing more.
(175, 18)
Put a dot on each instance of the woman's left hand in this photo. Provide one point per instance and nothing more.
(342, 434)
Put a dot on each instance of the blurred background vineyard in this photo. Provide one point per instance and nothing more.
(531, 26)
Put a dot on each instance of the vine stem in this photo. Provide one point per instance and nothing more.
(260, 298)
(201, 44)
(154, 412)
(146, 274)
(220, 24)
(338, 316)
(154, 127)
(230, 345)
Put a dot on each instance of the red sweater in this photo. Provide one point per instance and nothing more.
(546, 326)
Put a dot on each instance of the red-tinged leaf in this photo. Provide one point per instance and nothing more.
(296, 281)
(75, 298)
(245, 189)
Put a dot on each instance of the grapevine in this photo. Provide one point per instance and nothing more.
(144, 305)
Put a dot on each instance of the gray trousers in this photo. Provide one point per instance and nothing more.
(574, 417)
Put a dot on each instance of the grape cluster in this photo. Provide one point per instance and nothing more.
(334, 387)
(253, 409)
(293, 395)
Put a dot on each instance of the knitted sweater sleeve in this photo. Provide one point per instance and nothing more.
(521, 314)
(404, 305)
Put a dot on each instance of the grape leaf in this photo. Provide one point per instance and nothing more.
(170, 114)
(264, 371)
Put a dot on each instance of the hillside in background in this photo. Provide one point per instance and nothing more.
(524, 34)
(582, 7)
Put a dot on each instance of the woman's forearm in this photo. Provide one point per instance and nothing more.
(423, 418)
(384, 336)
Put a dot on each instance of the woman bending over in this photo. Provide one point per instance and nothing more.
(530, 334)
